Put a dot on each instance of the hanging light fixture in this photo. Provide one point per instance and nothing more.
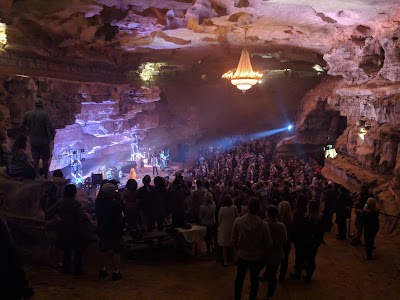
(243, 77)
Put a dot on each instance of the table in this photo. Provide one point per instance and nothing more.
(193, 236)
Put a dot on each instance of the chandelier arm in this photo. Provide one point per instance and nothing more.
(245, 36)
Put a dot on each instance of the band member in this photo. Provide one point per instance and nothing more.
(154, 163)
(163, 157)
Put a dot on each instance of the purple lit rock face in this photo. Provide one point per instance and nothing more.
(105, 128)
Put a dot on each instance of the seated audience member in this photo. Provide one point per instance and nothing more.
(207, 218)
(19, 164)
(72, 229)
(110, 227)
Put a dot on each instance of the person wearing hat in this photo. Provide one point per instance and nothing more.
(370, 219)
(110, 227)
(38, 127)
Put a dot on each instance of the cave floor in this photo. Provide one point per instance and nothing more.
(164, 273)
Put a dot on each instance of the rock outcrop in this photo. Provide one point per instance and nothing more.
(98, 119)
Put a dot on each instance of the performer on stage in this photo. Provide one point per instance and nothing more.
(163, 157)
(154, 163)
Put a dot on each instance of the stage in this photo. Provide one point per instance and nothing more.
(148, 170)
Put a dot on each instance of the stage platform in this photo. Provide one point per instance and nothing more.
(148, 170)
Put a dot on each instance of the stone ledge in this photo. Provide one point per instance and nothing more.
(346, 172)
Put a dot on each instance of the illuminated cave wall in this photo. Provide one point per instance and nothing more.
(98, 118)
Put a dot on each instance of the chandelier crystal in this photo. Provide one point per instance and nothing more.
(243, 77)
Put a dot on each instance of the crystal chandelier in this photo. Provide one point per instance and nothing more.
(243, 77)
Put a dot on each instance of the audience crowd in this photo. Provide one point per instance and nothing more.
(254, 208)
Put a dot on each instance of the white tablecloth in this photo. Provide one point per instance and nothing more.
(193, 235)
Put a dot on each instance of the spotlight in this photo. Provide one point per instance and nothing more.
(290, 127)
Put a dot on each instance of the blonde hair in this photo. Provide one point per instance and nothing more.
(208, 198)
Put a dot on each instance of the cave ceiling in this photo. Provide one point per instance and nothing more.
(124, 34)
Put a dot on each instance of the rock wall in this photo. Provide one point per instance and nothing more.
(366, 95)
(98, 118)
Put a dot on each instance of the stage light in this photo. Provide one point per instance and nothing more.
(290, 127)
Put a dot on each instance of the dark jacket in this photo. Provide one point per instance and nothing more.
(343, 202)
(370, 220)
(110, 222)
(176, 197)
(145, 198)
(73, 227)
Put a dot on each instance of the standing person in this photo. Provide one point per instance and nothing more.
(275, 254)
(146, 201)
(198, 196)
(4, 142)
(251, 238)
(343, 203)
(131, 206)
(176, 197)
(285, 216)
(370, 215)
(226, 216)
(328, 198)
(159, 198)
(13, 282)
(110, 227)
(72, 229)
(154, 163)
(262, 194)
(38, 126)
(311, 238)
(360, 204)
(298, 234)
(207, 219)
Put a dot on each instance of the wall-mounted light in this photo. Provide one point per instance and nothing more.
(363, 127)
(149, 70)
(362, 132)
(3, 35)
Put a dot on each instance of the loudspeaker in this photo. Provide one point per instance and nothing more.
(97, 179)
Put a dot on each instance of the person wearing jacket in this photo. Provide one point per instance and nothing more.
(72, 229)
(276, 254)
(343, 203)
(110, 227)
(310, 238)
(252, 239)
(285, 216)
(369, 216)
(207, 219)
